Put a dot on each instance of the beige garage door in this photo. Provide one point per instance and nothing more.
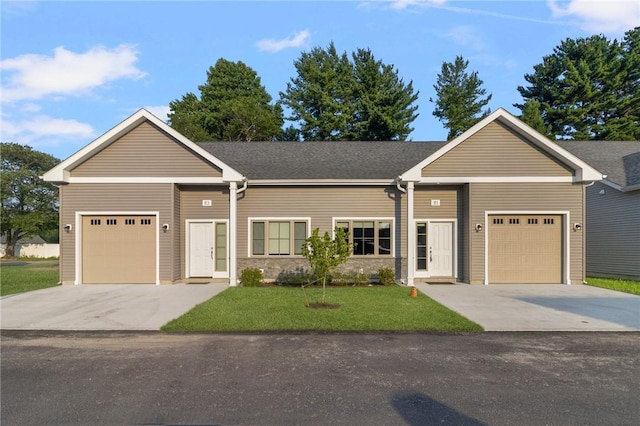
(119, 249)
(525, 249)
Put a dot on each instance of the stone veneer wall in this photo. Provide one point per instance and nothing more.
(273, 267)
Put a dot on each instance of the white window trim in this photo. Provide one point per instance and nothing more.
(78, 237)
(250, 220)
(427, 273)
(391, 220)
(566, 220)
(187, 247)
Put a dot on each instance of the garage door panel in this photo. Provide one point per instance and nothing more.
(525, 249)
(119, 249)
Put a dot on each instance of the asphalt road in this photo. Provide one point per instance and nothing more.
(373, 379)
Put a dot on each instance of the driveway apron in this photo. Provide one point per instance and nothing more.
(540, 307)
(103, 306)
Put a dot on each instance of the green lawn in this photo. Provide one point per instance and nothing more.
(375, 308)
(32, 276)
(627, 286)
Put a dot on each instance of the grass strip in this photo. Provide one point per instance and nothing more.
(375, 308)
(29, 277)
(626, 286)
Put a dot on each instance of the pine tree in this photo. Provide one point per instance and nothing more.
(460, 97)
(531, 115)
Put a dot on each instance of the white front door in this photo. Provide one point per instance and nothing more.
(435, 249)
(200, 249)
(441, 249)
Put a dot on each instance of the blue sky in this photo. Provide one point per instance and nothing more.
(72, 70)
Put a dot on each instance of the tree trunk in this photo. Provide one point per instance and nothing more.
(12, 240)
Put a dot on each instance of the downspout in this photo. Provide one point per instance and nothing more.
(245, 182)
(399, 185)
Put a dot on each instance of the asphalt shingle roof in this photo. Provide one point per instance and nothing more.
(620, 161)
(321, 160)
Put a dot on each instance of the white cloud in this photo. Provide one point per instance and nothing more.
(404, 4)
(465, 36)
(160, 111)
(598, 16)
(298, 39)
(66, 73)
(45, 131)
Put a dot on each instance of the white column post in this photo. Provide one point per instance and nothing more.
(233, 209)
(411, 236)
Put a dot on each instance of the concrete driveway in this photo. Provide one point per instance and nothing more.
(540, 307)
(102, 307)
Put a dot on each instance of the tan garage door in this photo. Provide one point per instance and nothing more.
(119, 249)
(525, 249)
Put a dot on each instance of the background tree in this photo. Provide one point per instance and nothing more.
(29, 205)
(335, 98)
(588, 88)
(532, 116)
(233, 106)
(320, 97)
(460, 97)
(384, 106)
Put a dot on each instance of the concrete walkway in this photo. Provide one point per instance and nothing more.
(102, 307)
(540, 307)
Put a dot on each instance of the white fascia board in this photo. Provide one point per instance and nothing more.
(57, 174)
(583, 171)
(161, 179)
(320, 182)
(621, 188)
(495, 179)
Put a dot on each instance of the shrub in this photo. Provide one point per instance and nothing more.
(294, 278)
(350, 278)
(251, 277)
(386, 276)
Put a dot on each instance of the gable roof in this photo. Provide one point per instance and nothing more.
(61, 173)
(325, 161)
(618, 161)
(583, 171)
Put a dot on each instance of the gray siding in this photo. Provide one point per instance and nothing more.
(145, 152)
(191, 208)
(321, 204)
(529, 197)
(115, 198)
(613, 232)
(495, 151)
(178, 234)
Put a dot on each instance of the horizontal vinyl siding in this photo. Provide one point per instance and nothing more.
(423, 209)
(495, 151)
(115, 198)
(613, 232)
(191, 208)
(526, 197)
(321, 204)
(145, 152)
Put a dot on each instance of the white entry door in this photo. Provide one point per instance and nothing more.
(201, 254)
(441, 249)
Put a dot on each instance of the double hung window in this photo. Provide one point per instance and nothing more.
(278, 237)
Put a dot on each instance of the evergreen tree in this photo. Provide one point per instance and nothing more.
(233, 106)
(531, 115)
(588, 88)
(460, 97)
(335, 98)
(384, 104)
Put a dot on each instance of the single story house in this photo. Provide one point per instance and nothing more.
(499, 204)
(613, 208)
